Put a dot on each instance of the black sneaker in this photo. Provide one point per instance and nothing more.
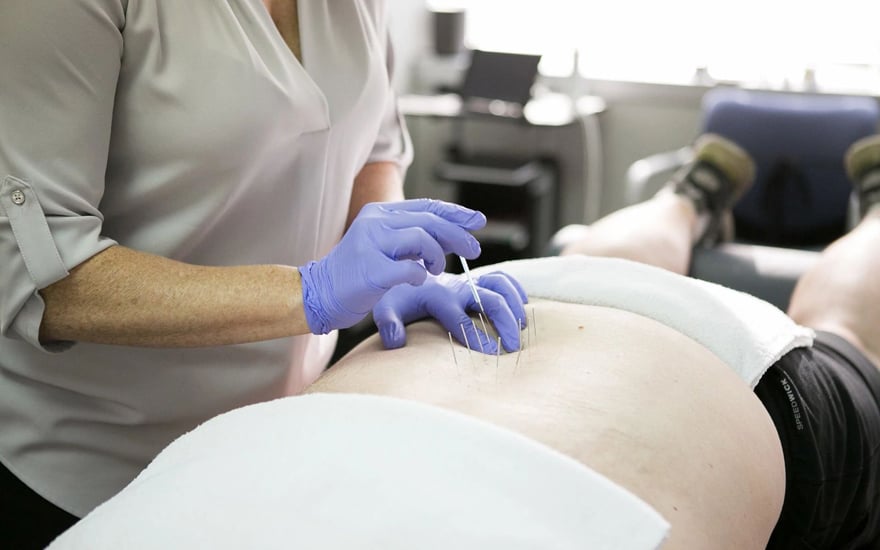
(720, 174)
(863, 168)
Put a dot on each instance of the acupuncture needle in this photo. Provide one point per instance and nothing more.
(473, 285)
(497, 358)
(466, 344)
(452, 345)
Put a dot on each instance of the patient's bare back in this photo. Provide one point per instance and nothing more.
(639, 402)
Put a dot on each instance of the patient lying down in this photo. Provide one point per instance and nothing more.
(607, 426)
(636, 401)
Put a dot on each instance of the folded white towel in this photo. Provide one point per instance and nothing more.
(746, 333)
(337, 471)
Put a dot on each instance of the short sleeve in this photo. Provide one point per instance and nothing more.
(393, 141)
(61, 63)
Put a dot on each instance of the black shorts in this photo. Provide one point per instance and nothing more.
(825, 403)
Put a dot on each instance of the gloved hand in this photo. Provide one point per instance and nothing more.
(448, 298)
(387, 244)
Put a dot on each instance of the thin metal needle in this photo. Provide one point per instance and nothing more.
(497, 358)
(452, 345)
(467, 345)
(479, 340)
(535, 324)
(519, 353)
(520, 321)
(467, 273)
(528, 335)
(485, 330)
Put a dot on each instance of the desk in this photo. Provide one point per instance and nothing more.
(547, 110)
(552, 126)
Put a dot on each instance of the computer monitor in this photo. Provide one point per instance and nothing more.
(500, 76)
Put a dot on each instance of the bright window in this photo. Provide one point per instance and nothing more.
(768, 43)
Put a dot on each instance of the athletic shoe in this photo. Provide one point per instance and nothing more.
(863, 168)
(719, 175)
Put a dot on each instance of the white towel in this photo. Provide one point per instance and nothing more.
(337, 471)
(746, 333)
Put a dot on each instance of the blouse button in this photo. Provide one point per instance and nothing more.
(18, 197)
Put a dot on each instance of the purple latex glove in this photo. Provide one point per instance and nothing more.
(387, 244)
(448, 298)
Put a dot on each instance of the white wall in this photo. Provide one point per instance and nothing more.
(640, 120)
(410, 27)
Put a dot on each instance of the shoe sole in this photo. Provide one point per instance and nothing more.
(731, 159)
(862, 156)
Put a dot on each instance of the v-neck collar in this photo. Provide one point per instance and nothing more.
(294, 64)
(338, 47)
(295, 26)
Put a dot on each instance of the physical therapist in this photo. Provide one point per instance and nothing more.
(182, 216)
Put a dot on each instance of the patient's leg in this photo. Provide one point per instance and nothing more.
(660, 232)
(841, 293)
(691, 208)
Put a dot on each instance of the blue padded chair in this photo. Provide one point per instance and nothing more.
(800, 200)
(801, 193)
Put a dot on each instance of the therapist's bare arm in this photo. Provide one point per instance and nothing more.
(376, 182)
(125, 297)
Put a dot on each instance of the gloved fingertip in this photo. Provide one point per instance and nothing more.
(473, 250)
(477, 220)
(436, 268)
(510, 346)
(393, 335)
(511, 342)
(491, 346)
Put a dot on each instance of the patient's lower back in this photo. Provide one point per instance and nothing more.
(633, 399)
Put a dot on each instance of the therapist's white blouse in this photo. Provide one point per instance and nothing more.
(184, 128)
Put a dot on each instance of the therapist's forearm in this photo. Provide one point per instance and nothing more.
(376, 182)
(125, 297)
